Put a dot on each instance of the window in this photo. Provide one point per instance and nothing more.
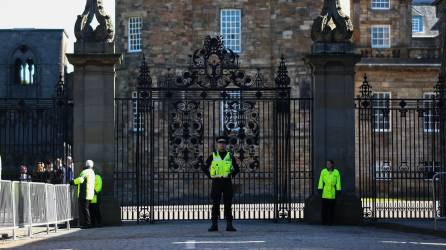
(135, 25)
(138, 122)
(230, 112)
(24, 72)
(383, 170)
(230, 29)
(417, 24)
(381, 36)
(381, 111)
(380, 4)
(431, 122)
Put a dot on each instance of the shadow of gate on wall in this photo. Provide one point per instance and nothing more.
(167, 130)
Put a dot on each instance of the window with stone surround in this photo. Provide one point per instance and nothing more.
(380, 4)
(138, 122)
(134, 35)
(381, 112)
(380, 35)
(24, 67)
(431, 119)
(230, 29)
(417, 24)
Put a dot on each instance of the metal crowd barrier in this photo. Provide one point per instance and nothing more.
(30, 204)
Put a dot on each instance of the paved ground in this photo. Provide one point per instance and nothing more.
(422, 224)
(251, 235)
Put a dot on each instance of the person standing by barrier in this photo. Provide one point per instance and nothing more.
(39, 174)
(60, 172)
(95, 211)
(220, 167)
(329, 186)
(24, 176)
(50, 173)
(70, 169)
(85, 192)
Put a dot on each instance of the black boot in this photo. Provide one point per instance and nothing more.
(230, 227)
(214, 227)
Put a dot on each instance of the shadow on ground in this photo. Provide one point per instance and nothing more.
(251, 234)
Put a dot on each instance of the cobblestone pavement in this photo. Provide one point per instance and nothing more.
(251, 235)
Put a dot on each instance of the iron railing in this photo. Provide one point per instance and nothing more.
(159, 176)
(398, 152)
(33, 130)
(168, 129)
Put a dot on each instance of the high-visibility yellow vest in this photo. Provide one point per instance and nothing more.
(97, 188)
(221, 167)
(87, 175)
(329, 182)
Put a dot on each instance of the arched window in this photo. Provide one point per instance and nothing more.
(24, 66)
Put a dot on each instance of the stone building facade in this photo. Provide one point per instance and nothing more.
(171, 30)
(31, 62)
(398, 42)
(401, 57)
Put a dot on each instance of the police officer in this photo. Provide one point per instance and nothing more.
(329, 186)
(85, 191)
(95, 211)
(220, 167)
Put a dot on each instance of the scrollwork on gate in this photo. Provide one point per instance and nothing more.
(214, 66)
(242, 126)
(185, 135)
(212, 76)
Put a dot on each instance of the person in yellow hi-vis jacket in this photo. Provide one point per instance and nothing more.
(95, 211)
(85, 192)
(329, 186)
(221, 166)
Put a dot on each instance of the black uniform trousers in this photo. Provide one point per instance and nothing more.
(221, 186)
(95, 214)
(84, 208)
(328, 211)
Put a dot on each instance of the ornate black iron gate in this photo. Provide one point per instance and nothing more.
(166, 132)
(398, 153)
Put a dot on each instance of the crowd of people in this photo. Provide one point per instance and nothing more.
(88, 183)
(49, 172)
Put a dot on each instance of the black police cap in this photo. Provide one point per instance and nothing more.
(222, 139)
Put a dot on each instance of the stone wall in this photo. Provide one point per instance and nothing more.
(402, 82)
(398, 17)
(173, 29)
